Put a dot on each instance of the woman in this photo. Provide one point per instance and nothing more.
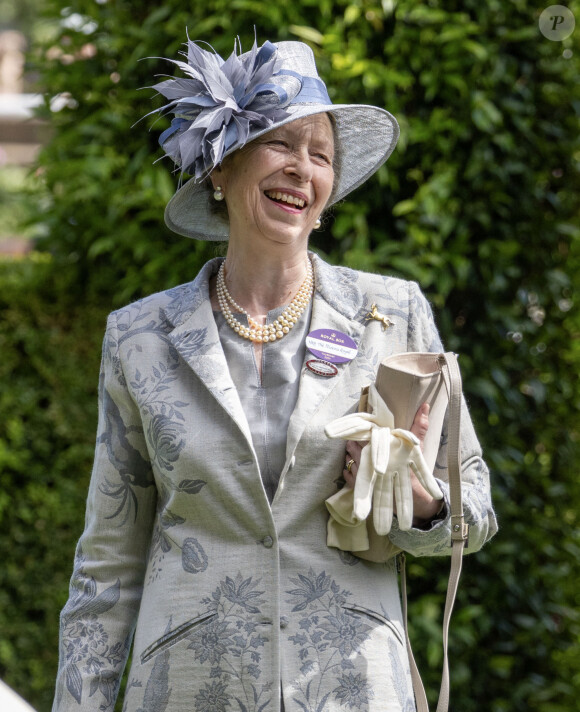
(206, 522)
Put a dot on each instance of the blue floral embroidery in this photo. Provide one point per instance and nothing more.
(131, 321)
(330, 641)
(132, 468)
(399, 677)
(165, 428)
(85, 641)
(193, 557)
(353, 692)
(187, 298)
(164, 432)
(344, 633)
(338, 286)
(309, 589)
(165, 437)
(212, 642)
(230, 646)
(152, 390)
(368, 359)
(157, 690)
(213, 698)
(347, 558)
(193, 343)
(241, 592)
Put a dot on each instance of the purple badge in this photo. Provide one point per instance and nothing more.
(330, 345)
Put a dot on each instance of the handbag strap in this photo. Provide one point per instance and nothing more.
(459, 534)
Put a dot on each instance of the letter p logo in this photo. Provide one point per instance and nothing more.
(557, 23)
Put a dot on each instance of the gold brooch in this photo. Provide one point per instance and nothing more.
(376, 314)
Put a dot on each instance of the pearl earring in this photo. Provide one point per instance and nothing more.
(218, 193)
(318, 224)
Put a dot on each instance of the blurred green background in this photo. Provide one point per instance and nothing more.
(480, 203)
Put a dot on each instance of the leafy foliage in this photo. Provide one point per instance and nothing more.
(479, 203)
(49, 372)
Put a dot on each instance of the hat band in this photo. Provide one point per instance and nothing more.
(313, 90)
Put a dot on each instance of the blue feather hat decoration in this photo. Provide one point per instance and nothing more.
(219, 102)
(221, 105)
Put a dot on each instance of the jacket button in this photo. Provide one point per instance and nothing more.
(284, 621)
(268, 542)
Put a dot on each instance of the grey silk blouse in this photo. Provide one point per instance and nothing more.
(268, 405)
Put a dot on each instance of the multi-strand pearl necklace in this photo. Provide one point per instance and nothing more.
(267, 332)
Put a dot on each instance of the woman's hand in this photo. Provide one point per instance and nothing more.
(425, 507)
(353, 451)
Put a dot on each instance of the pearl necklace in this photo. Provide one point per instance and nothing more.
(268, 332)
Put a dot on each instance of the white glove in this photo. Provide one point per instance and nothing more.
(383, 470)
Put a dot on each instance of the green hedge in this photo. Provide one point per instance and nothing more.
(479, 203)
(50, 350)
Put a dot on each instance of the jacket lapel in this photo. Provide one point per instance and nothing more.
(338, 305)
(196, 339)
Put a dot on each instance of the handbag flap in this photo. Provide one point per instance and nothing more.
(406, 381)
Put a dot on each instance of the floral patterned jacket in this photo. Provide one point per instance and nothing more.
(226, 595)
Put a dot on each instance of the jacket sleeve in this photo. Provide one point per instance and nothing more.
(97, 622)
(477, 507)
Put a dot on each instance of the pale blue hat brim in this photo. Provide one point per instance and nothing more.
(366, 137)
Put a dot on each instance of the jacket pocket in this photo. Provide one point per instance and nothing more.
(353, 609)
(175, 635)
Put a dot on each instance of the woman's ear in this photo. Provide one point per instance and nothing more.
(216, 177)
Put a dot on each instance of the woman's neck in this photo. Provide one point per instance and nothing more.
(260, 282)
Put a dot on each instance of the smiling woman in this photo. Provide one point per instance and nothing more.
(275, 189)
(277, 186)
(206, 518)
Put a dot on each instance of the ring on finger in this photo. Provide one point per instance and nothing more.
(349, 464)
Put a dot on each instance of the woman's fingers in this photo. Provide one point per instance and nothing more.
(350, 475)
(351, 461)
(354, 448)
(421, 423)
(425, 506)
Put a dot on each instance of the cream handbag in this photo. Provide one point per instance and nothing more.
(404, 382)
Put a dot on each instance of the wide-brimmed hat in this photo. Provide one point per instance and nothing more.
(222, 105)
